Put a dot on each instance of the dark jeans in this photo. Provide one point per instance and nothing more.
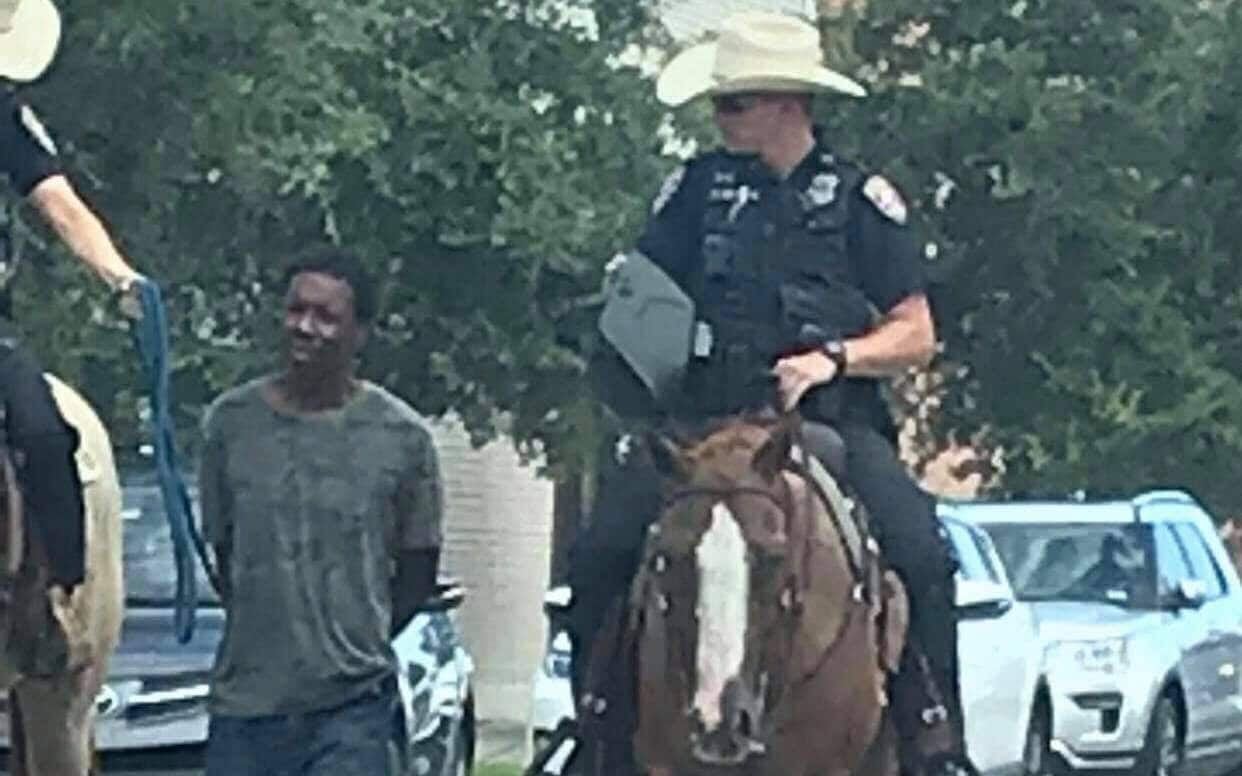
(365, 737)
(902, 518)
(43, 446)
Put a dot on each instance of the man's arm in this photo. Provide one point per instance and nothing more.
(420, 519)
(904, 338)
(215, 505)
(80, 229)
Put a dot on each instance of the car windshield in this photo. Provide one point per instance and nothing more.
(1087, 562)
(150, 571)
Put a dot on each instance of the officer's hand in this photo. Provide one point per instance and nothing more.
(799, 374)
(128, 293)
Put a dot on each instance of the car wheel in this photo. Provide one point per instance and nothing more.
(1037, 757)
(1162, 750)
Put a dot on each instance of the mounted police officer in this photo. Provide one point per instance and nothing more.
(805, 280)
(42, 442)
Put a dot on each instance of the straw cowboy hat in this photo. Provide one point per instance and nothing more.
(754, 51)
(29, 34)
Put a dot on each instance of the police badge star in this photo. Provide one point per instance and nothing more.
(885, 198)
(823, 190)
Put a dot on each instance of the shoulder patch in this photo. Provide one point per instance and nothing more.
(884, 196)
(36, 129)
(671, 184)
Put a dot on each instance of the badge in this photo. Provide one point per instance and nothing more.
(671, 184)
(36, 129)
(823, 189)
(885, 198)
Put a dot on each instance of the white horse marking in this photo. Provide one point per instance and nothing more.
(724, 593)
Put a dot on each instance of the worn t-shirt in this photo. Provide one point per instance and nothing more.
(27, 152)
(314, 507)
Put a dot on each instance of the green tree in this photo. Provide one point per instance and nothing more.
(486, 159)
(1076, 166)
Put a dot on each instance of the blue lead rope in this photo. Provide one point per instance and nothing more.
(152, 341)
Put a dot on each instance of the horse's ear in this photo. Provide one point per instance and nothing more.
(670, 460)
(772, 458)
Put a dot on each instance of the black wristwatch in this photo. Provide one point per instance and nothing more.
(835, 351)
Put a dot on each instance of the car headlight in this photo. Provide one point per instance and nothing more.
(1106, 656)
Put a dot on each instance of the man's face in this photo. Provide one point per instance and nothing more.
(323, 333)
(749, 120)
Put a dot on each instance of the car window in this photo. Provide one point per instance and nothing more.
(1085, 562)
(1172, 567)
(971, 554)
(1202, 564)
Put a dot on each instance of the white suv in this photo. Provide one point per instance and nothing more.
(1140, 618)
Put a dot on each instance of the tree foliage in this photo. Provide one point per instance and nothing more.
(485, 158)
(1077, 170)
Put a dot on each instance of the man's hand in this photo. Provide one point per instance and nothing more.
(799, 374)
(129, 296)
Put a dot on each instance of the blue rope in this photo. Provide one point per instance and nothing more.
(152, 341)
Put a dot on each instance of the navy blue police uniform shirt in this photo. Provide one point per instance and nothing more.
(886, 253)
(27, 153)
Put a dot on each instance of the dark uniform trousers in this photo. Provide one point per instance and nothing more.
(902, 517)
(43, 447)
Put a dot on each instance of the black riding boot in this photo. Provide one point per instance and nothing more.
(43, 447)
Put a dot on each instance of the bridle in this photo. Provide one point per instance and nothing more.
(793, 585)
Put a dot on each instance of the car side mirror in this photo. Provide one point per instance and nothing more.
(979, 600)
(1189, 594)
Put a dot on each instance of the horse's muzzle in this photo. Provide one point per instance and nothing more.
(735, 740)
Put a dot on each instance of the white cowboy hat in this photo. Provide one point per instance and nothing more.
(754, 51)
(29, 35)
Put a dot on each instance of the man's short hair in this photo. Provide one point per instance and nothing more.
(343, 265)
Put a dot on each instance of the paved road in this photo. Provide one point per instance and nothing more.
(498, 742)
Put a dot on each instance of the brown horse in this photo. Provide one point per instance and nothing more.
(763, 624)
(51, 713)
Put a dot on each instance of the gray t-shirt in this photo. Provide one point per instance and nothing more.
(315, 508)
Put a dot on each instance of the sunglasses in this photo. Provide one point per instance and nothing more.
(736, 103)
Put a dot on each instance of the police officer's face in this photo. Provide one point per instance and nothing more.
(749, 120)
(323, 333)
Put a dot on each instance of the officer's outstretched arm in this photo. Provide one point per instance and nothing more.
(78, 226)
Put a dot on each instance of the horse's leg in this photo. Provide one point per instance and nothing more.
(882, 757)
(17, 737)
(96, 766)
(58, 714)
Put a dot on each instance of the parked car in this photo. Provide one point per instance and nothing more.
(998, 654)
(1139, 614)
(155, 696)
(998, 646)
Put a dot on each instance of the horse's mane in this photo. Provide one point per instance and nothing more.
(717, 437)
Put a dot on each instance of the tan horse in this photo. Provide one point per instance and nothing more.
(51, 719)
(763, 638)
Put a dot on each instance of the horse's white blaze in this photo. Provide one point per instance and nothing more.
(724, 582)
